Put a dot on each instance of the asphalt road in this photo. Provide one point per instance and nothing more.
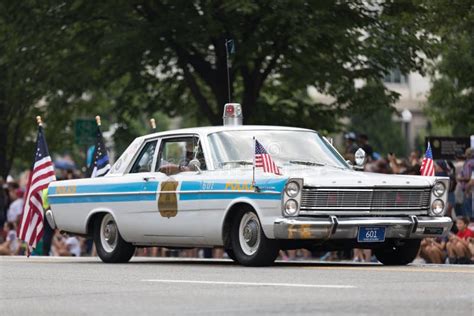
(84, 286)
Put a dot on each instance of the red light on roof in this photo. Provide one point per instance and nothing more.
(229, 109)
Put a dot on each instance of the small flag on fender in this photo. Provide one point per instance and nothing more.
(427, 165)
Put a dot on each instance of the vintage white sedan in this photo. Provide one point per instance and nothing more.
(193, 188)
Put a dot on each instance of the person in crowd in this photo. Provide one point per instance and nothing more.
(11, 245)
(442, 169)
(459, 245)
(363, 141)
(414, 158)
(16, 202)
(48, 231)
(351, 145)
(396, 165)
(433, 250)
(464, 179)
(73, 245)
(458, 192)
(3, 202)
(66, 245)
(362, 255)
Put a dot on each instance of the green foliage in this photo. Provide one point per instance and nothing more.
(451, 101)
(384, 134)
(133, 59)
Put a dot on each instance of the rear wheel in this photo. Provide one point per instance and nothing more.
(249, 244)
(110, 245)
(399, 252)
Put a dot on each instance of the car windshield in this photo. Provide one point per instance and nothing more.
(231, 149)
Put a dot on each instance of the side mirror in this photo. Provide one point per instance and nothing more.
(195, 165)
(360, 159)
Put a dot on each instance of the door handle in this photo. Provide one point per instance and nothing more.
(148, 178)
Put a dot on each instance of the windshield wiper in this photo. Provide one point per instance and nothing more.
(240, 162)
(307, 163)
(313, 163)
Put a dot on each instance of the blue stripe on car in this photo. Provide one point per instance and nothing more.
(207, 194)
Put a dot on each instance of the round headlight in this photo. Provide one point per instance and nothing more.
(292, 189)
(439, 189)
(437, 207)
(291, 208)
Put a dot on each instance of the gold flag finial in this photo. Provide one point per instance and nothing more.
(153, 123)
(97, 119)
(39, 121)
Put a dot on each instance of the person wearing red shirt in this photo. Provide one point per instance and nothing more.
(459, 246)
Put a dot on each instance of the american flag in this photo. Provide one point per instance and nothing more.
(263, 159)
(427, 165)
(31, 223)
(100, 166)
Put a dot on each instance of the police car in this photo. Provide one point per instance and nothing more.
(199, 187)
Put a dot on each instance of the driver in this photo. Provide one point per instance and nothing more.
(170, 168)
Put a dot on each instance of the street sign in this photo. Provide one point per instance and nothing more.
(445, 147)
(85, 131)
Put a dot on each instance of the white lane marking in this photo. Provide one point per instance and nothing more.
(326, 286)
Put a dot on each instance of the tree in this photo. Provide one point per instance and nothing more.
(170, 55)
(451, 100)
(175, 51)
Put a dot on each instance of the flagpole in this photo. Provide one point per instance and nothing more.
(153, 124)
(227, 67)
(253, 166)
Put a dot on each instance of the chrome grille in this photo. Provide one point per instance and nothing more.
(376, 199)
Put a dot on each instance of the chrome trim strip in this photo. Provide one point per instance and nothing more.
(342, 208)
(363, 212)
(378, 188)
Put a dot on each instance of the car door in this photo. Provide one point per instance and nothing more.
(136, 207)
(178, 194)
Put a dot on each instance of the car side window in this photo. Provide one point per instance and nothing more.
(180, 151)
(144, 161)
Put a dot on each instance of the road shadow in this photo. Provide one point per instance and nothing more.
(228, 262)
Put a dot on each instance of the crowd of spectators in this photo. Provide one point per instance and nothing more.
(458, 247)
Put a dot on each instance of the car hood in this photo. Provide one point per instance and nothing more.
(335, 177)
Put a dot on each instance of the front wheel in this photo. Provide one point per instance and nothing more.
(110, 245)
(249, 244)
(399, 252)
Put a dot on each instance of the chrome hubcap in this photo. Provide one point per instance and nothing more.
(108, 233)
(249, 233)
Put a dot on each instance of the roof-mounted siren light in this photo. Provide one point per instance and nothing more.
(233, 114)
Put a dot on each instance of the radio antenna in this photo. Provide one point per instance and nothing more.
(229, 49)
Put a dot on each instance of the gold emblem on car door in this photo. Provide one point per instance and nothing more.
(168, 199)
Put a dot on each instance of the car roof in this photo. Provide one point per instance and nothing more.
(213, 129)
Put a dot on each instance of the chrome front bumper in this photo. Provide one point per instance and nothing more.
(333, 227)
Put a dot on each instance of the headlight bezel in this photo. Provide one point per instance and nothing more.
(435, 191)
(294, 209)
(296, 183)
(296, 188)
(432, 209)
(441, 184)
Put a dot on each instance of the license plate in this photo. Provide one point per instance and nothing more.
(371, 234)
